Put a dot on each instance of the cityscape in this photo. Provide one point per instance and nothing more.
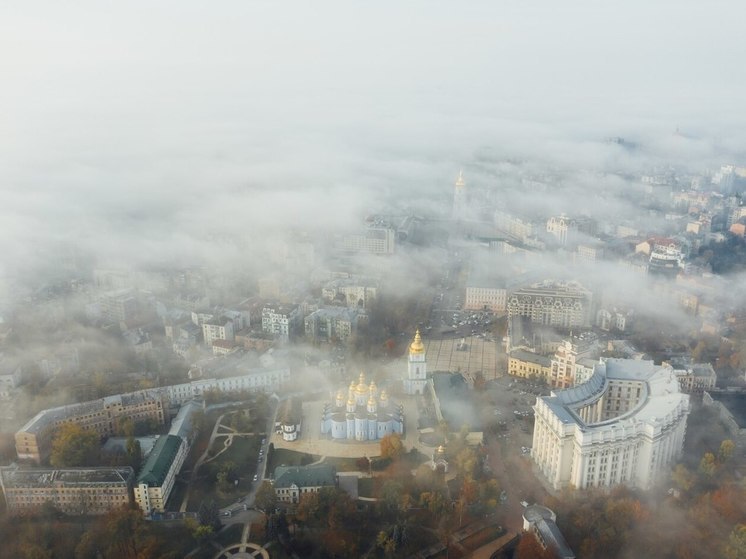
(315, 285)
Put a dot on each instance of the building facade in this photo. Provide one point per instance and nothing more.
(331, 324)
(104, 416)
(626, 425)
(481, 298)
(558, 304)
(74, 491)
(377, 239)
(292, 482)
(157, 476)
(217, 329)
(281, 321)
(524, 364)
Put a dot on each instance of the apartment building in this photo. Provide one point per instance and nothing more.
(74, 491)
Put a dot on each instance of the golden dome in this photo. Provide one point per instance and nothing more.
(351, 402)
(384, 396)
(441, 449)
(371, 401)
(372, 386)
(340, 394)
(416, 347)
(353, 384)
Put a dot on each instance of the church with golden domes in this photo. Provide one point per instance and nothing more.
(416, 379)
(365, 415)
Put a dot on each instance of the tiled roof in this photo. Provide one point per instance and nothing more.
(154, 472)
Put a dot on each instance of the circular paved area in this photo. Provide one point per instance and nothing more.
(243, 551)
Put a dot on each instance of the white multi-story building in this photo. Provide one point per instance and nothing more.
(280, 320)
(260, 379)
(377, 239)
(558, 304)
(626, 425)
(331, 323)
(482, 298)
(353, 292)
(512, 225)
(218, 329)
(120, 305)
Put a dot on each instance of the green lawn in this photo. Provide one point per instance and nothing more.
(284, 457)
(342, 464)
(243, 452)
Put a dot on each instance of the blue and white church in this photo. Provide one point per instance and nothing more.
(365, 415)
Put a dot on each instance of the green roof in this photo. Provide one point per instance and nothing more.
(317, 475)
(160, 460)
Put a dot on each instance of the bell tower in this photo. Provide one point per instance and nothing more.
(416, 367)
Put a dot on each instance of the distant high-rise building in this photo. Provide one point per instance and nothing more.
(459, 197)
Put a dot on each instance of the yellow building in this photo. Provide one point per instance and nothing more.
(104, 416)
(529, 365)
(78, 491)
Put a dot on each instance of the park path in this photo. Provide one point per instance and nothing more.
(199, 462)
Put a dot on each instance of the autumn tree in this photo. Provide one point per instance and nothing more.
(725, 451)
(391, 446)
(708, 465)
(74, 446)
(736, 546)
(466, 462)
(266, 498)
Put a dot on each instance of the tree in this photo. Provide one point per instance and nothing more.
(683, 478)
(74, 446)
(707, 465)
(392, 446)
(200, 532)
(466, 462)
(736, 546)
(209, 515)
(725, 451)
(266, 499)
(134, 452)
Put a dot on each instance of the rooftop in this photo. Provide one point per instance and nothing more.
(734, 402)
(45, 477)
(530, 357)
(317, 475)
(154, 472)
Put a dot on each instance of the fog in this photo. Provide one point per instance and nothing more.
(158, 124)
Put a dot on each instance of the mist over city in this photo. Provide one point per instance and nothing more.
(372, 280)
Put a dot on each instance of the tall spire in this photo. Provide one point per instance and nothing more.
(416, 347)
(460, 182)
